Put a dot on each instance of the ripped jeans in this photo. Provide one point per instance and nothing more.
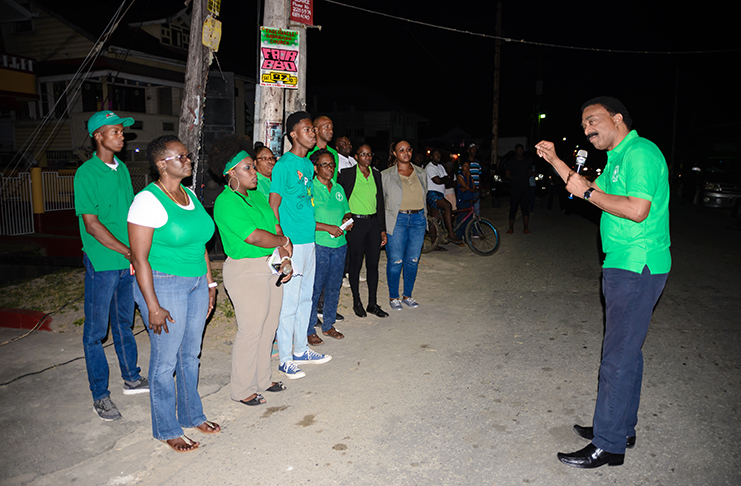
(403, 250)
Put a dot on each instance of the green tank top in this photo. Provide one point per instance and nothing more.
(179, 247)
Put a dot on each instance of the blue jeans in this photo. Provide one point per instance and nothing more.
(630, 298)
(296, 308)
(175, 402)
(403, 250)
(330, 268)
(109, 295)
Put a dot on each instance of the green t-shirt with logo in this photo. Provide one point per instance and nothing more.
(106, 193)
(637, 168)
(293, 181)
(331, 207)
(238, 216)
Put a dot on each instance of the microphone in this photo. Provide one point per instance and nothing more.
(581, 159)
(285, 272)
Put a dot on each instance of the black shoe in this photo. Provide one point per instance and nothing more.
(377, 311)
(588, 433)
(318, 322)
(591, 457)
(359, 311)
(339, 317)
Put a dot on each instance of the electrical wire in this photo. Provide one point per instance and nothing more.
(58, 364)
(523, 41)
(87, 64)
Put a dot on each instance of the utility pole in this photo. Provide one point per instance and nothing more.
(495, 108)
(269, 103)
(194, 92)
(296, 98)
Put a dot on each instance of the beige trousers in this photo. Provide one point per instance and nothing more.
(257, 301)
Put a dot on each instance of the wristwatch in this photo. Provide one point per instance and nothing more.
(588, 193)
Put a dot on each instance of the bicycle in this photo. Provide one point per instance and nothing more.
(479, 234)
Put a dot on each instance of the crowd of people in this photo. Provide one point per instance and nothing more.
(309, 218)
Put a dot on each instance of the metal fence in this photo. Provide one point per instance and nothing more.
(16, 209)
(139, 181)
(59, 190)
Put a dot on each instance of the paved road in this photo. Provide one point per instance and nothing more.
(480, 385)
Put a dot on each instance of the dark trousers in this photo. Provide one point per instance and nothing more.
(364, 241)
(630, 298)
(519, 198)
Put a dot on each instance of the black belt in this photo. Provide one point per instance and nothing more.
(410, 211)
(364, 216)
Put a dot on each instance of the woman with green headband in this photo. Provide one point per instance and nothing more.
(250, 233)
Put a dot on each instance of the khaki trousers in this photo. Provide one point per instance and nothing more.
(251, 288)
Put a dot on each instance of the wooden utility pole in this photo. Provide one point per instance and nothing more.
(495, 108)
(296, 98)
(194, 92)
(269, 103)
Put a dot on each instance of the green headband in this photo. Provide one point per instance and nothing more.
(235, 160)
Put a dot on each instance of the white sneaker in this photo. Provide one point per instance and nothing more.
(395, 304)
(410, 302)
(346, 282)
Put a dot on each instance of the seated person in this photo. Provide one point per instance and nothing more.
(437, 180)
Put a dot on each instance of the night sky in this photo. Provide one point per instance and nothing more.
(448, 77)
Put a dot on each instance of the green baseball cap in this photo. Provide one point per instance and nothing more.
(106, 118)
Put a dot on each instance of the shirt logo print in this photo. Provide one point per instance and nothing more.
(615, 173)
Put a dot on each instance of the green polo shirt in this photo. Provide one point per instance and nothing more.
(331, 207)
(107, 194)
(237, 216)
(363, 198)
(293, 180)
(336, 160)
(636, 168)
(263, 185)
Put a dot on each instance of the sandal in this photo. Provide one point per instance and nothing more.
(314, 340)
(190, 445)
(276, 387)
(333, 333)
(257, 400)
(208, 427)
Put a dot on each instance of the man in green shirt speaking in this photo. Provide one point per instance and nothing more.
(103, 194)
(633, 193)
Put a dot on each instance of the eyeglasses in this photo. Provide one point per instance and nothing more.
(180, 157)
(327, 164)
(267, 159)
(365, 154)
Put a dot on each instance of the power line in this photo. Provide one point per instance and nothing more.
(523, 41)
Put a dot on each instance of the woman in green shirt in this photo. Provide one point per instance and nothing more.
(331, 210)
(250, 234)
(168, 231)
(264, 163)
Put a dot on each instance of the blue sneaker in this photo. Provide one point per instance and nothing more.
(312, 357)
(291, 370)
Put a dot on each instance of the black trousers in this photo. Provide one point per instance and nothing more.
(364, 242)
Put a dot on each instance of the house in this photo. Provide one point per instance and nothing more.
(59, 78)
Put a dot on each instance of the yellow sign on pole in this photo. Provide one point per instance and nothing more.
(214, 6)
(211, 33)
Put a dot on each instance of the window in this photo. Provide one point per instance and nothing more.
(164, 100)
(92, 96)
(168, 127)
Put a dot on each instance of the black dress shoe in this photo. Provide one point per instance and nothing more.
(359, 311)
(591, 457)
(377, 311)
(339, 317)
(588, 433)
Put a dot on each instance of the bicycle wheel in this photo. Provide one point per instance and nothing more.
(432, 235)
(482, 237)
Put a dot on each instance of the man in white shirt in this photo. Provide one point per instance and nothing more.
(437, 180)
(344, 149)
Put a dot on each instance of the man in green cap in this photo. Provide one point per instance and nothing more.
(103, 194)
